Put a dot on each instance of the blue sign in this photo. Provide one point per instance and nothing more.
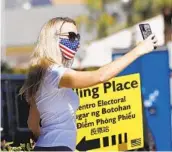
(155, 81)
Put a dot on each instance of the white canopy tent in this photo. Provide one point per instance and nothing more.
(99, 52)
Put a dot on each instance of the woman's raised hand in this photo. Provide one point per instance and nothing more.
(147, 45)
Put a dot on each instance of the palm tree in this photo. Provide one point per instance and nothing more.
(143, 9)
(139, 10)
(98, 18)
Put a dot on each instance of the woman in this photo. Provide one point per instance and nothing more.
(50, 79)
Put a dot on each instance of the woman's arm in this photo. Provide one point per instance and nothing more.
(76, 79)
(33, 120)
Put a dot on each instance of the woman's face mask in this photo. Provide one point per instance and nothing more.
(69, 46)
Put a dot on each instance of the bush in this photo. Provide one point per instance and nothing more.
(5, 68)
(8, 146)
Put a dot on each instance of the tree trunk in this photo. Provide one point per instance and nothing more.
(167, 14)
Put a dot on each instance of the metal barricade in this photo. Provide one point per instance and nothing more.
(15, 110)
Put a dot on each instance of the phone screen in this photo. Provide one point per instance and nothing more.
(145, 30)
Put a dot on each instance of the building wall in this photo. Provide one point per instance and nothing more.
(22, 26)
(56, 2)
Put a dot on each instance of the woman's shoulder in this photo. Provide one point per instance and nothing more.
(55, 67)
(54, 74)
(56, 70)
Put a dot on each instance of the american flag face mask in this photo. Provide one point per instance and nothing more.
(68, 48)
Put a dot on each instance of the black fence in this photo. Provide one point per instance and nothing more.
(14, 110)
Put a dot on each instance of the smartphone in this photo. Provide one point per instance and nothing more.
(145, 30)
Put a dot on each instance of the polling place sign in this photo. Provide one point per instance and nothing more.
(110, 115)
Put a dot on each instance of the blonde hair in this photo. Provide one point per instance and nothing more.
(45, 54)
